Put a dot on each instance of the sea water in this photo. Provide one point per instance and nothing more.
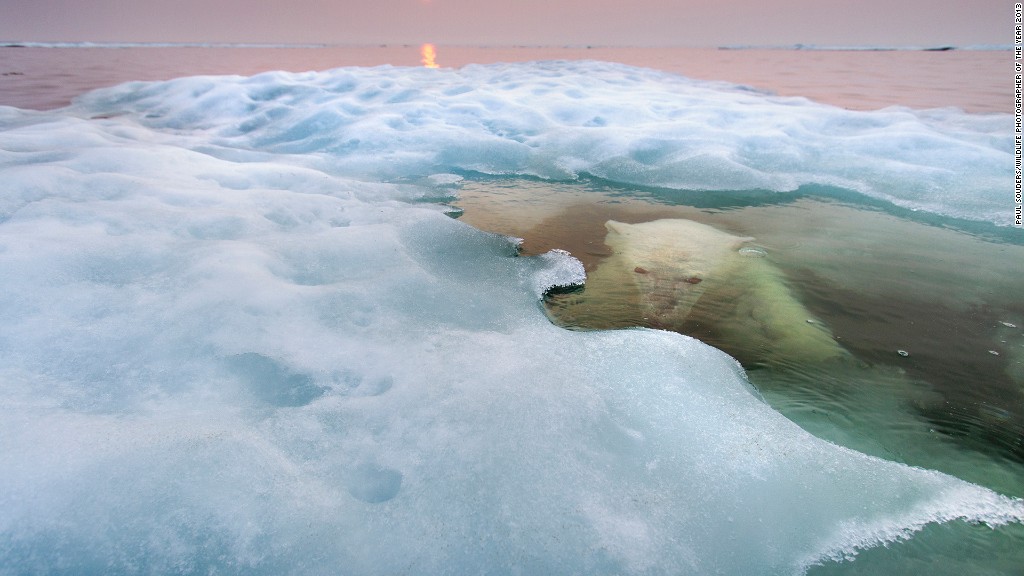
(243, 332)
(49, 76)
(870, 276)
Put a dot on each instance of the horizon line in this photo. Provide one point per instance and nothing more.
(322, 45)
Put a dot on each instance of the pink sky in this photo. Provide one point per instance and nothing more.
(547, 22)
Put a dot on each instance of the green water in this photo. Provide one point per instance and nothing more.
(879, 281)
(951, 549)
(926, 311)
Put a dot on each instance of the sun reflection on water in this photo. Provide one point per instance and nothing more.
(429, 54)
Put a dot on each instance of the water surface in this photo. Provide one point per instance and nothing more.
(974, 80)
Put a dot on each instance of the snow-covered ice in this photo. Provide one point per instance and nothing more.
(234, 341)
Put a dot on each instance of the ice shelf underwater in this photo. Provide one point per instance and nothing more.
(235, 340)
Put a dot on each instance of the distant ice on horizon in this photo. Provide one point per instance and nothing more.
(865, 47)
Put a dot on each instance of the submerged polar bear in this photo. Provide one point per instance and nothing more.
(675, 264)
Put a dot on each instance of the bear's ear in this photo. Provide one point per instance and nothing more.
(614, 226)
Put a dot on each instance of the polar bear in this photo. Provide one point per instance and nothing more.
(683, 271)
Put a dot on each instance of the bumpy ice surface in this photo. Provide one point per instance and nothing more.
(233, 342)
